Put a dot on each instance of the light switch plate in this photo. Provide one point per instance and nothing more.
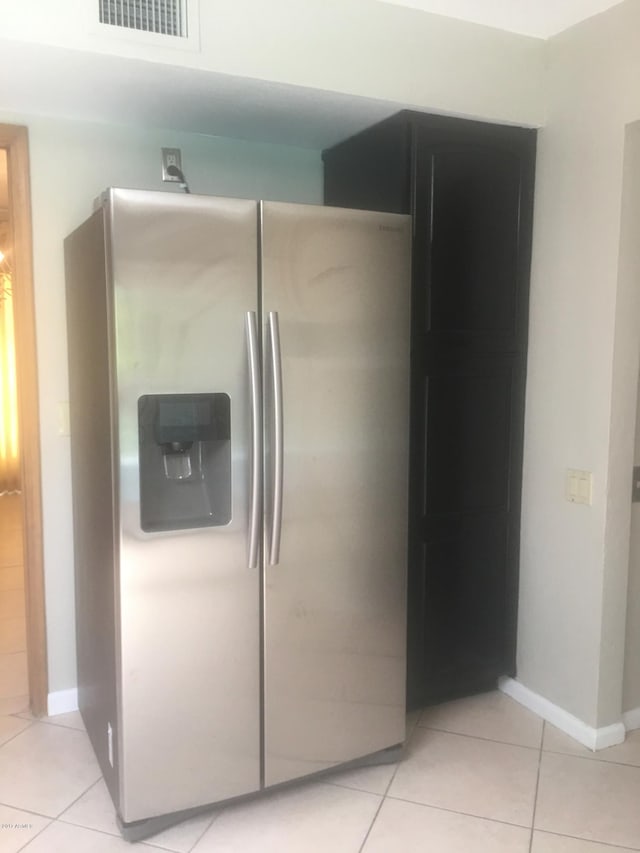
(63, 418)
(171, 157)
(579, 486)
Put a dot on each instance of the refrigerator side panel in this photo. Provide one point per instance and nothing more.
(184, 279)
(93, 495)
(337, 282)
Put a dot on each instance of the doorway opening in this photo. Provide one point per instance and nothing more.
(23, 658)
(14, 682)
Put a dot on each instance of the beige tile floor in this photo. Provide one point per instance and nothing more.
(13, 637)
(480, 775)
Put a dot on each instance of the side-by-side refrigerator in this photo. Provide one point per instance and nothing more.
(239, 378)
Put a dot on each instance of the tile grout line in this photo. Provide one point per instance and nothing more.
(17, 734)
(375, 817)
(47, 722)
(605, 761)
(143, 843)
(214, 818)
(535, 796)
(416, 727)
(216, 814)
(368, 832)
(593, 756)
(476, 737)
(27, 811)
(458, 812)
(73, 802)
(590, 841)
(46, 826)
(386, 790)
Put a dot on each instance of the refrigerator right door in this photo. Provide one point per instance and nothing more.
(336, 310)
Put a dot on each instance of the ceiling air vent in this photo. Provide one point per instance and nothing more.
(166, 17)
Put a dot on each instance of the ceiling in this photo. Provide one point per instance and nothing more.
(538, 18)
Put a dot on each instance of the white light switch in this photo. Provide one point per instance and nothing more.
(579, 486)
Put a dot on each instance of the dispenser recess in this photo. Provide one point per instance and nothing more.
(185, 461)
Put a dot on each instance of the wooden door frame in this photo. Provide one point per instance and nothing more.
(14, 140)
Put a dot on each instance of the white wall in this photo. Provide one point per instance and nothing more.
(630, 273)
(631, 684)
(71, 163)
(583, 362)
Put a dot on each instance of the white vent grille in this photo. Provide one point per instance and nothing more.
(167, 17)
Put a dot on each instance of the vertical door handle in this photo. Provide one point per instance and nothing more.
(278, 437)
(255, 487)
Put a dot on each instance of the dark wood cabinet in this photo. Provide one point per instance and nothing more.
(469, 188)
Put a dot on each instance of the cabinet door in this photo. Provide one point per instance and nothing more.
(469, 334)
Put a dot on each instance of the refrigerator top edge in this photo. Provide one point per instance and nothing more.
(122, 195)
(113, 195)
(394, 220)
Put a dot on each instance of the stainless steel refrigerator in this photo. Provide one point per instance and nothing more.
(239, 377)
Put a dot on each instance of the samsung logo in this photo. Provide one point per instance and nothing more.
(393, 228)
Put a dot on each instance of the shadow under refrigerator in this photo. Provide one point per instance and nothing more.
(239, 397)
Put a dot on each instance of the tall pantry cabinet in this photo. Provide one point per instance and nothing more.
(469, 187)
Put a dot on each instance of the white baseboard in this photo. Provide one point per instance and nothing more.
(62, 701)
(577, 729)
(631, 719)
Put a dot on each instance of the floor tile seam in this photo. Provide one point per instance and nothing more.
(458, 811)
(585, 839)
(384, 796)
(481, 737)
(414, 729)
(73, 802)
(321, 781)
(390, 783)
(535, 795)
(109, 834)
(594, 760)
(27, 811)
(70, 822)
(370, 827)
(33, 837)
(143, 843)
(17, 734)
(62, 726)
(215, 815)
(588, 840)
(346, 787)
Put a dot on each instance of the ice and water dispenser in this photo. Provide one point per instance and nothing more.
(185, 461)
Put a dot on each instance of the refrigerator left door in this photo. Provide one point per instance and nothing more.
(184, 273)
